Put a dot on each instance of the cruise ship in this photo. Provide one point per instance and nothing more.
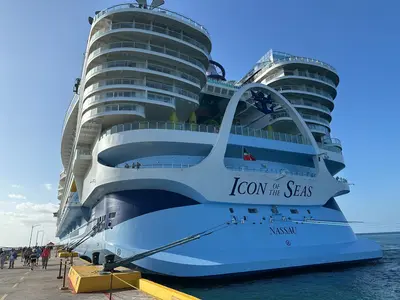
(157, 145)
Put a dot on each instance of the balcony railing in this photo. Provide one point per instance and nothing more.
(129, 95)
(148, 46)
(154, 28)
(115, 107)
(172, 89)
(234, 168)
(154, 9)
(239, 130)
(223, 83)
(332, 141)
(319, 128)
(303, 88)
(142, 65)
(311, 75)
(141, 83)
(305, 116)
(309, 103)
(74, 100)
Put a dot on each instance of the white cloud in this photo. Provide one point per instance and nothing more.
(17, 186)
(20, 219)
(30, 208)
(16, 196)
(48, 186)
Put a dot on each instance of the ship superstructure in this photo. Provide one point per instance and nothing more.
(158, 145)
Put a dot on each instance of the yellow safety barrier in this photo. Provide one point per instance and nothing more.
(65, 254)
(162, 292)
(86, 279)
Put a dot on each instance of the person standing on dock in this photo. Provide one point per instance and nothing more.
(27, 256)
(3, 257)
(33, 258)
(13, 257)
(45, 257)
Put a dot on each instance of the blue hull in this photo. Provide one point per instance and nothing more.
(260, 241)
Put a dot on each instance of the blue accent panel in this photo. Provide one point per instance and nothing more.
(133, 203)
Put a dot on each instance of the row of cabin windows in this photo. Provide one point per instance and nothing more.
(274, 210)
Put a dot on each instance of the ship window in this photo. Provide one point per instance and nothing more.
(245, 218)
(309, 212)
(294, 211)
(274, 210)
(252, 210)
(111, 215)
(231, 210)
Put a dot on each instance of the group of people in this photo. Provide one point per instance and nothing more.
(134, 165)
(12, 256)
(29, 256)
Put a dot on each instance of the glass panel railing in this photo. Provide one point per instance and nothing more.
(308, 89)
(236, 168)
(148, 46)
(139, 82)
(223, 83)
(153, 9)
(309, 103)
(114, 107)
(319, 128)
(238, 130)
(74, 100)
(309, 75)
(154, 28)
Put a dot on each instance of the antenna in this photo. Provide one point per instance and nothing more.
(156, 3)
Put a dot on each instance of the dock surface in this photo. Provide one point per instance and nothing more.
(21, 283)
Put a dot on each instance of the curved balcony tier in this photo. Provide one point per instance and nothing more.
(313, 107)
(69, 130)
(192, 139)
(309, 92)
(308, 118)
(154, 101)
(294, 80)
(319, 129)
(171, 19)
(150, 51)
(114, 113)
(131, 68)
(125, 86)
(157, 33)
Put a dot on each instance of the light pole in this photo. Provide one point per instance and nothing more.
(30, 239)
(42, 238)
(37, 235)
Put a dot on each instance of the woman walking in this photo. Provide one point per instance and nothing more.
(13, 257)
(45, 257)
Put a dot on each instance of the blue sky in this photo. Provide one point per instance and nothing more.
(42, 52)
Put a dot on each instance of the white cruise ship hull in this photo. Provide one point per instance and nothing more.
(255, 243)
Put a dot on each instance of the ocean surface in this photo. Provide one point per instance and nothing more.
(378, 281)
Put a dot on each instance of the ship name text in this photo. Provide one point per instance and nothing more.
(291, 189)
(282, 230)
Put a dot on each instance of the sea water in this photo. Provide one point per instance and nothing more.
(379, 281)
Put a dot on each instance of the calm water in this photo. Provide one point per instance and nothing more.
(368, 282)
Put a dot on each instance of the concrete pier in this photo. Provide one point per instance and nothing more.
(21, 283)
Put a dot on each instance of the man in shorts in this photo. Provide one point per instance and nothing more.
(33, 258)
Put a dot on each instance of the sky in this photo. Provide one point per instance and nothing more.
(41, 54)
